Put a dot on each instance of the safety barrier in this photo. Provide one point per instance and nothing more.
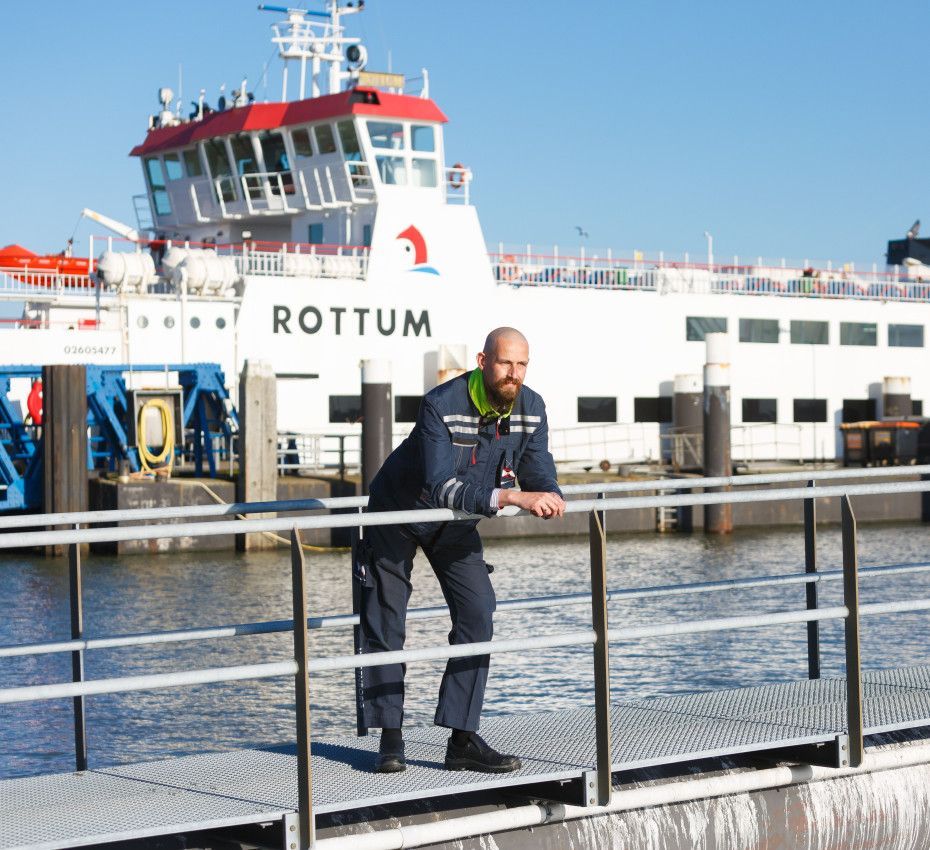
(849, 747)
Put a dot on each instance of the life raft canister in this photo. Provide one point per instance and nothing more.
(34, 402)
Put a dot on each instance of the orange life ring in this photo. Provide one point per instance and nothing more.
(507, 268)
(457, 177)
(34, 402)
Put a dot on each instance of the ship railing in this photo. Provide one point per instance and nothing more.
(458, 184)
(528, 268)
(299, 664)
(25, 282)
(266, 192)
(322, 452)
(778, 441)
(358, 178)
(296, 260)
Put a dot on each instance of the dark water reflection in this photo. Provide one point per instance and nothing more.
(140, 593)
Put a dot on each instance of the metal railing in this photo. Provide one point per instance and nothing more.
(28, 282)
(849, 747)
(767, 441)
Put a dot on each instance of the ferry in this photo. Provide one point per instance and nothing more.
(328, 227)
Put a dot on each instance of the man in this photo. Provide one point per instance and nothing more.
(475, 436)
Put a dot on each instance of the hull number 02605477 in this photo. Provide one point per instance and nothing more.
(102, 350)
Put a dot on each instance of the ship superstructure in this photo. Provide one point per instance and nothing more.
(327, 227)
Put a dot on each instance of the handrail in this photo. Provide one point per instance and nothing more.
(340, 502)
(247, 526)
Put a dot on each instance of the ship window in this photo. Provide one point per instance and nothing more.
(697, 327)
(173, 166)
(345, 408)
(858, 409)
(195, 322)
(423, 172)
(760, 410)
(906, 336)
(156, 179)
(220, 322)
(302, 143)
(597, 409)
(810, 410)
(810, 333)
(406, 407)
(169, 322)
(758, 330)
(192, 162)
(142, 322)
(423, 137)
(366, 235)
(350, 146)
(315, 233)
(244, 156)
(218, 163)
(386, 134)
(392, 169)
(274, 152)
(917, 407)
(325, 141)
(657, 409)
(858, 333)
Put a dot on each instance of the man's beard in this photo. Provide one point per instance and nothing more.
(502, 394)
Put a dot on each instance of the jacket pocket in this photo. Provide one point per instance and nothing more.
(465, 454)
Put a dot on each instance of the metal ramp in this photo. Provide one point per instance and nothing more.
(257, 786)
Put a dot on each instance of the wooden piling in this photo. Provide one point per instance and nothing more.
(258, 445)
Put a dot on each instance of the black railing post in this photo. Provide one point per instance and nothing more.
(361, 729)
(598, 541)
(75, 595)
(853, 666)
(302, 695)
(810, 567)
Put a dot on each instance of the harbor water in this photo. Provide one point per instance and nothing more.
(133, 594)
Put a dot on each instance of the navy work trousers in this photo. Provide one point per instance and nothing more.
(455, 553)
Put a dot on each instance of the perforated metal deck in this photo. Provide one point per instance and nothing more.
(253, 786)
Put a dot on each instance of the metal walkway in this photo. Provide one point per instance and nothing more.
(257, 786)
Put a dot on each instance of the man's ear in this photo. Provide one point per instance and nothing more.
(480, 360)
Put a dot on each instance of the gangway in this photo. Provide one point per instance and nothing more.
(819, 723)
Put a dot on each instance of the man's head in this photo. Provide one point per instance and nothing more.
(503, 364)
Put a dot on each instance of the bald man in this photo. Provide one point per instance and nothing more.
(475, 437)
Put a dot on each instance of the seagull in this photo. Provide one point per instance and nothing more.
(581, 232)
(915, 229)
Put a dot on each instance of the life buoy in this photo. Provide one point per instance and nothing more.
(457, 177)
(34, 402)
(507, 268)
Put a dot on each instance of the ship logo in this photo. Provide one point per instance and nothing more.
(417, 245)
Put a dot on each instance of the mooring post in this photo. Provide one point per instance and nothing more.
(718, 519)
(258, 445)
(853, 665)
(810, 567)
(598, 540)
(377, 418)
(77, 656)
(302, 697)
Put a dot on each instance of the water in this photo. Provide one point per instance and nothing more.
(142, 593)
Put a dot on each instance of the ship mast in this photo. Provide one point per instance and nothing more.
(317, 37)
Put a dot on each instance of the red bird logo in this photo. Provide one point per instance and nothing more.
(418, 243)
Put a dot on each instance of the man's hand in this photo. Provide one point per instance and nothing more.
(545, 505)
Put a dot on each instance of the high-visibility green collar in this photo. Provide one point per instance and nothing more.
(479, 396)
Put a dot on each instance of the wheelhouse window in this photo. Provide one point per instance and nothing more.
(760, 410)
(218, 163)
(810, 333)
(192, 162)
(173, 166)
(858, 409)
(597, 409)
(758, 330)
(156, 178)
(697, 327)
(315, 233)
(858, 333)
(657, 409)
(423, 138)
(345, 408)
(407, 407)
(392, 170)
(386, 134)
(301, 139)
(423, 173)
(244, 156)
(325, 140)
(351, 149)
(274, 152)
(906, 336)
(810, 410)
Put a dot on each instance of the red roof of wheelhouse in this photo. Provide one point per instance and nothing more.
(269, 116)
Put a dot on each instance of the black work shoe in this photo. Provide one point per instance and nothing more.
(391, 760)
(477, 755)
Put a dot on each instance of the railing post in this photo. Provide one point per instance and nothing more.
(810, 567)
(853, 666)
(302, 695)
(77, 656)
(361, 729)
(598, 540)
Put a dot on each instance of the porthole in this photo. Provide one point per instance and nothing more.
(195, 322)
(220, 322)
(169, 321)
(142, 321)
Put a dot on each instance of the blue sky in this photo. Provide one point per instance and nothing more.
(792, 129)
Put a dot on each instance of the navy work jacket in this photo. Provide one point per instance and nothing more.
(454, 458)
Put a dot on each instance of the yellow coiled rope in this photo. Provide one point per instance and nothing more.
(164, 458)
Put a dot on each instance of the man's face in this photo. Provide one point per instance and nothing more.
(504, 370)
